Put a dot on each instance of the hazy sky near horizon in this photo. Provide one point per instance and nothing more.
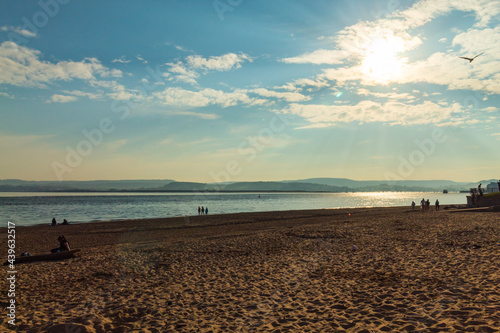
(236, 90)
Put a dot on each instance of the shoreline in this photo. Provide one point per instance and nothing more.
(267, 272)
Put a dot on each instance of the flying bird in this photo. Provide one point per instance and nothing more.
(470, 59)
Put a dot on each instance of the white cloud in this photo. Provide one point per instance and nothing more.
(318, 57)
(392, 113)
(366, 92)
(62, 99)
(121, 60)
(426, 10)
(188, 72)
(208, 116)
(218, 63)
(181, 73)
(182, 97)
(21, 66)
(6, 94)
(138, 57)
(83, 94)
(119, 91)
(287, 96)
(19, 31)
(490, 109)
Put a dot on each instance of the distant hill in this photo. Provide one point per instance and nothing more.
(16, 185)
(302, 185)
(397, 185)
(284, 187)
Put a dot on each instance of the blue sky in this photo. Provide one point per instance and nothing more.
(238, 90)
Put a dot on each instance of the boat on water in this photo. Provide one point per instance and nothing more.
(44, 257)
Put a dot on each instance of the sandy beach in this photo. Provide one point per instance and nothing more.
(357, 270)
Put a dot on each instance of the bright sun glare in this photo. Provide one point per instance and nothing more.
(381, 62)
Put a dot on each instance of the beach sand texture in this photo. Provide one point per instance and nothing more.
(294, 271)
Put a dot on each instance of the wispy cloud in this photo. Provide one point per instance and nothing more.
(6, 94)
(121, 60)
(208, 116)
(62, 99)
(181, 97)
(21, 66)
(189, 70)
(392, 113)
(318, 57)
(19, 30)
(218, 63)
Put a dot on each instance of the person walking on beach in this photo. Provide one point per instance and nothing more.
(199, 210)
(206, 210)
(422, 204)
(437, 204)
(427, 204)
(413, 205)
(202, 210)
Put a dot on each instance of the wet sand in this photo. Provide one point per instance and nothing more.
(293, 271)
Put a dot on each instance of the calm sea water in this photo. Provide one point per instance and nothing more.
(38, 208)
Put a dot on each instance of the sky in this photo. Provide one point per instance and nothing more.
(239, 90)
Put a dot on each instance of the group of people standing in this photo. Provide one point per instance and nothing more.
(202, 211)
(425, 204)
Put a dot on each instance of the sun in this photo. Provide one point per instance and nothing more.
(381, 63)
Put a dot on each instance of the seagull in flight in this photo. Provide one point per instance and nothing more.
(470, 59)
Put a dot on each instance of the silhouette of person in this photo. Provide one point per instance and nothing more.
(413, 205)
(199, 210)
(480, 190)
(54, 221)
(63, 245)
(206, 210)
(437, 204)
(202, 210)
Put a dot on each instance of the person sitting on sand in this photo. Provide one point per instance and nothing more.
(54, 221)
(65, 222)
(63, 245)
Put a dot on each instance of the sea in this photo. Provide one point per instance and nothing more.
(26, 209)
